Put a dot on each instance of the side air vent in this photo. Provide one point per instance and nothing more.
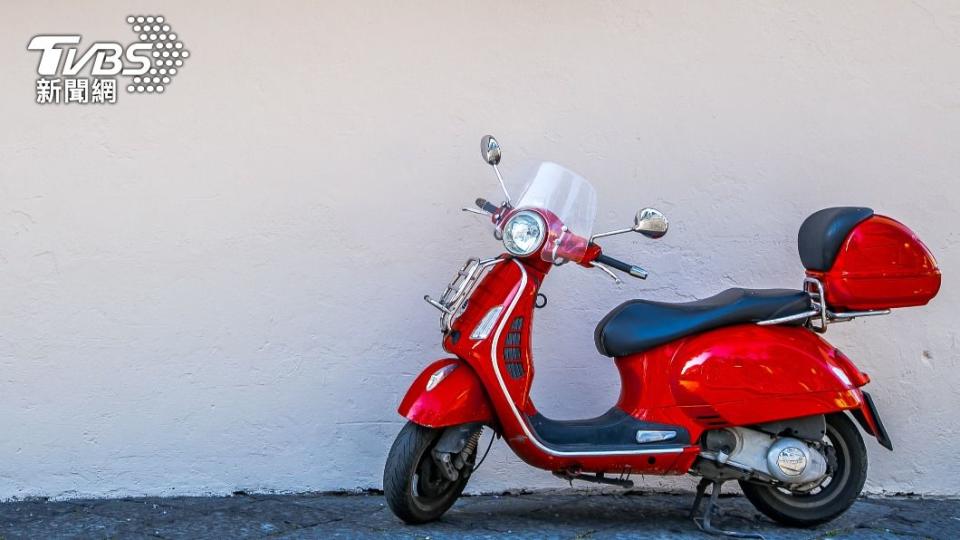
(513, 345)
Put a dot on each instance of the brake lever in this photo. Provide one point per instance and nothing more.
(608, 272)
(476, 211)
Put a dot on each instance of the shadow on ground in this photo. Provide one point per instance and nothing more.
(557, 514)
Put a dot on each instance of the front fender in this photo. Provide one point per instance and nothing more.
(458, 397)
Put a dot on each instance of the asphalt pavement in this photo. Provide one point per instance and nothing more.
(563, 514)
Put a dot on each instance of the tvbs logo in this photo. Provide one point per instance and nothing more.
(150, 63)
(107, 57)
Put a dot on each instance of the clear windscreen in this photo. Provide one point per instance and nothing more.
(568, 196)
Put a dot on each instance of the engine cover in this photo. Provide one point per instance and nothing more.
(785, 459)
(793, 461)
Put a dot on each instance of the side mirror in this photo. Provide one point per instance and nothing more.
(651, 223)
(490, 150)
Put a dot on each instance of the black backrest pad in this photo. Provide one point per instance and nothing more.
(822, 234)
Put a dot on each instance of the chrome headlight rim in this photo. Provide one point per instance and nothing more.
(541, 222)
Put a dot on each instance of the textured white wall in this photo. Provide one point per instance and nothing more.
(219, 288)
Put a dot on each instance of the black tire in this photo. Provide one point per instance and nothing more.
(833, 497)
(412, 484)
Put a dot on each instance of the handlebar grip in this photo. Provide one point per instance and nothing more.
(633, 270)
(487, 206)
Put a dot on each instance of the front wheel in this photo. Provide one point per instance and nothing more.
(835, 493)
(413, 485)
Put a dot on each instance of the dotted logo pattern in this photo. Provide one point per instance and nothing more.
(168, 54)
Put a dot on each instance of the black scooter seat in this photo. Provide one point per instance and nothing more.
(639, 325)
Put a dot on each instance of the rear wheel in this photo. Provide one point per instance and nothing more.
(413, 485)
(832, 496)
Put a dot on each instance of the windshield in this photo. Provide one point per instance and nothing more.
(571, 198)
(565, 193)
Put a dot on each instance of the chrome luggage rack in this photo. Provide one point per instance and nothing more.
(819, 310)
(453, 299)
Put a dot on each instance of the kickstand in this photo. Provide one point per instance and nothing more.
(703, 523)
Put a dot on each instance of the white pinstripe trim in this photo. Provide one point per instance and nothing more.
(513, 406)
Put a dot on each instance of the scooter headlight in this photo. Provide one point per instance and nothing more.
(524, 233)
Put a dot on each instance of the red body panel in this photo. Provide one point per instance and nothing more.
(881, 265)
(457, 399)
(738, 375)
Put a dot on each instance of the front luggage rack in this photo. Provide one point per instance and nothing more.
(820, 316)
(455, 296)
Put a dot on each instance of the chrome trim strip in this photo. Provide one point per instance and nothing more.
(655, 435)
(513, 407)
(849, 315)
(788, 318)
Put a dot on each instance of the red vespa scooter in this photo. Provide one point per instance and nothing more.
(739, 386)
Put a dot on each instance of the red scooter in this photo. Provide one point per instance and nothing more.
(739, 386)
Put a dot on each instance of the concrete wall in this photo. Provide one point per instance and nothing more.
(219, 288)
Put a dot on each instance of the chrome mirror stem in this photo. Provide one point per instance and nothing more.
(610, 233)
(502, 185)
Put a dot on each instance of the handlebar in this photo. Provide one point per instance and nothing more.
(487, 206)
(631, 269)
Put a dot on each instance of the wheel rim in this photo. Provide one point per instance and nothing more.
(830, 487)
(428, 488)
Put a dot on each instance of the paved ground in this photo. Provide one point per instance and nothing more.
(560, 514)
